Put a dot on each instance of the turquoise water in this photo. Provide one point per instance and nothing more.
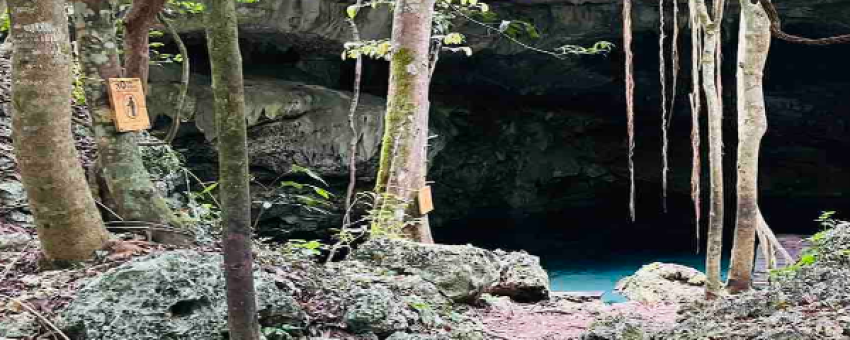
(587, 272)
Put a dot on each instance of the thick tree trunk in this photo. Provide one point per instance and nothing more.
(403, 167)
(128, 183)
(228, 89)
(69, 225)
(714, 248)
(137, 23)
(753, 46)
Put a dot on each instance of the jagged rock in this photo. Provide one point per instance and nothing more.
(615, 328)
(19, 326)
(523, 279)
(459, 272)
(176, 295)
(663, 282)
(375, 310)
(14, 241)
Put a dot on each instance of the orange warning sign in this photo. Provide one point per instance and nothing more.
(130, 113)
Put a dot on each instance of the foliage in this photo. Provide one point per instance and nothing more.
(78, 93)
(303, 247)
(811, 255)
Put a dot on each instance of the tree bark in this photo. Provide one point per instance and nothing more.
(137, 23)
(403, 164)
(127, 180)
(709, 61)
(753, 46)
(228, 89)
(69, 226)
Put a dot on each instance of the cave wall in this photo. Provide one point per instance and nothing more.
(525, 134)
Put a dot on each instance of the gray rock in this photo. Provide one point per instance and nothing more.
(615, 328)
(14, 241)
(375, 310)
(461, 273)
(523, 279)
(19, 326)
(663, 282)
(177, 295)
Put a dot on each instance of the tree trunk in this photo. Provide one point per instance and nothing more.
(753, 46)
(69, 225)
(128, 182)
(228, 89)
(403, 164)
(709, 60)
(137, 40)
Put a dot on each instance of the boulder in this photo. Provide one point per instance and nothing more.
(461, 273)
(375, 310)
(663, 282)
(615, 328)
(175, 295)
(522, 277)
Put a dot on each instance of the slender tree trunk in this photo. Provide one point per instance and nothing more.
(128, 182)
(137, 23)
(753, 46)
(69, 225)
(709, 61)
(184, 79)
(403, 161)
(228, 89)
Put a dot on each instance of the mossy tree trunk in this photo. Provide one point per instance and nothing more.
(228, 89)
(709, 60)
(403, 163)
(69, 225)
(127, 181)
(753, 47)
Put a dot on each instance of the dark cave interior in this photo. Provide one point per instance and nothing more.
(802, 152)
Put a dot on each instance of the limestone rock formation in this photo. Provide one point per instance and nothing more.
(663, 282)
(461, 273)
(177, 295)
(522, 279)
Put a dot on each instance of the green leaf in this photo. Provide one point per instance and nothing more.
(209, 188)
(321, 192)
(300, 169)
(352, 11)
(291, 184)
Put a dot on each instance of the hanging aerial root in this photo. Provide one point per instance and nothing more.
(674, 56)
(662, 65)
(696, 107)
(630, 105)
(776, 30)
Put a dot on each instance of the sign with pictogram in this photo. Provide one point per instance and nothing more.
(130, 113)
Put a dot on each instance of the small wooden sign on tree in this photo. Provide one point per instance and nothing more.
(426, 204)
(130, 113)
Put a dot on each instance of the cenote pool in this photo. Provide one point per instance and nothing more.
(592, 249)
(600, 270)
